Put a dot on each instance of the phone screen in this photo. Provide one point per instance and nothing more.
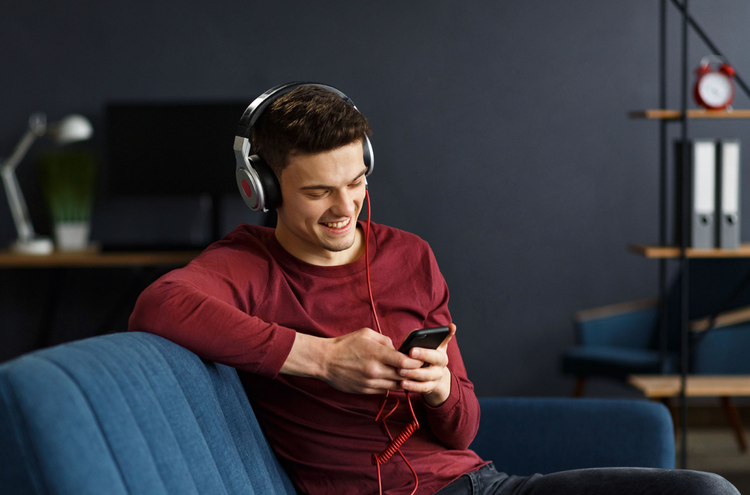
(427, 338)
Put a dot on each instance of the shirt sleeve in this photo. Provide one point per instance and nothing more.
(456, 421)
(204, 311)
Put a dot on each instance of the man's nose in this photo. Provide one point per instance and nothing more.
(343, 203)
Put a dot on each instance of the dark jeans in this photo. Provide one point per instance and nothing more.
(600, 481)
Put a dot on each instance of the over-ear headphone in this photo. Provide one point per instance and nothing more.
(257, 183)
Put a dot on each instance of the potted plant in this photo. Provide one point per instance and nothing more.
(67, 178)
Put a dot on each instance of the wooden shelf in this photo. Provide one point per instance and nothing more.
(659, 114)
(655, 252)
(96, 259)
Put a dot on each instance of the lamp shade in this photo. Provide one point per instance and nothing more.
(72, 128)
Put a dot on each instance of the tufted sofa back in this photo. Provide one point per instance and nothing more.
(129, 413)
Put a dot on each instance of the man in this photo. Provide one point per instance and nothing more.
(291, 310)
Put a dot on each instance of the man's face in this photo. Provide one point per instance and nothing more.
(322, 197)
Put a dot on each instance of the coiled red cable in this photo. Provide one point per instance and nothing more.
(395, 444)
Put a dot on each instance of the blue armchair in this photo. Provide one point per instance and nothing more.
(132, 413)
(622, 339)
(616, 341)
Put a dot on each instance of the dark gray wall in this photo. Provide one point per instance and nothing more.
(501, 137)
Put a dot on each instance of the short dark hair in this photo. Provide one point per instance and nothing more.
(307, 120)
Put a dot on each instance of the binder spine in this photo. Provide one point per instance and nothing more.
(728, 194)
(679, 165)
(701, 171)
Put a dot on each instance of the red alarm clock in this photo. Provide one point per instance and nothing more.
(714, 87)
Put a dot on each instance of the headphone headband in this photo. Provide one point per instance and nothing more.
(259, 105)
(257, 183)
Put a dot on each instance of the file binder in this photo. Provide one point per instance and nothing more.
(728, 194)
(701, 172)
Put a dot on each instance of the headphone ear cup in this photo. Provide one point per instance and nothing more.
(368, 155)
(258, 185)
(269, 182)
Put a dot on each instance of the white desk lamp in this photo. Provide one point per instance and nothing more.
(71, 129)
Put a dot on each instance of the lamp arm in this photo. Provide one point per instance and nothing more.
(12, 189)
(17, 205)
(22, 148)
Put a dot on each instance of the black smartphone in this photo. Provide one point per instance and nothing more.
(427, 338)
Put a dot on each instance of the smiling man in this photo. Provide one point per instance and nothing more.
(323, 195)
(290, 309)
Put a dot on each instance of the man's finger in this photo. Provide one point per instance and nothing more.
(400, 360)
(430, 356)
(428, 374)
(419, 387)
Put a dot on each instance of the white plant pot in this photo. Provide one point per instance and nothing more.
(72, 236)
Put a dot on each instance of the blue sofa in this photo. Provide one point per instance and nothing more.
(132, 413)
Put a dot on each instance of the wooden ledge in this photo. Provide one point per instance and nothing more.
(663, 114)
(650, 251)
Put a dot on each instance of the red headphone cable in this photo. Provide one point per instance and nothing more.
(395, 445)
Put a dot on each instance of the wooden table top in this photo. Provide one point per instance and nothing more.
(660, 386)
(91, 259)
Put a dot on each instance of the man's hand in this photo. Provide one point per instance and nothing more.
(365, 362)
(361, 362)
(433, 381)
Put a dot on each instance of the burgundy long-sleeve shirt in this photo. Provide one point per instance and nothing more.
(242, 300)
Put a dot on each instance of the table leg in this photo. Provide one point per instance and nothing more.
(142, 277)
(580, 386)
(730, 408)
(50, 308)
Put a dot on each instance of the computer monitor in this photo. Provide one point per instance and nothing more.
(170, 149)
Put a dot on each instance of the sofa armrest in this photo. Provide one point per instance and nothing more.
(523, 436)
(728, 318)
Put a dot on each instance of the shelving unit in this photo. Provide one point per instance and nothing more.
(663, 251)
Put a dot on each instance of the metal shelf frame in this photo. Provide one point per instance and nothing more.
(681, 118)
